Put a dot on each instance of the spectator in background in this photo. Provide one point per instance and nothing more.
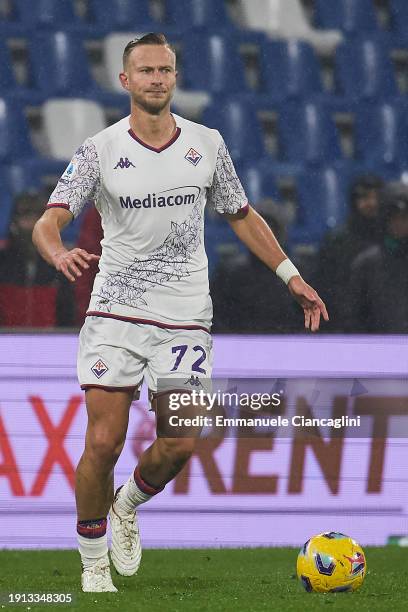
(32, 294)
(246, 298)
(89, 239)
(341, 246)
(378, 294)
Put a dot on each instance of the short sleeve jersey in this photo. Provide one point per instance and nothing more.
(153, 266)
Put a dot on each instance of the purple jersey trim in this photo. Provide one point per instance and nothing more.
(156, 150)
(107, 315)
(58, 205)
(107, 388)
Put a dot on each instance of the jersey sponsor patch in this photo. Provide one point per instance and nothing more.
(193, 156)
(99, 368)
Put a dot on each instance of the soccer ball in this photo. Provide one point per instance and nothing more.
(331, 562)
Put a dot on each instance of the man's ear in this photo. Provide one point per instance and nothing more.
(123, 78)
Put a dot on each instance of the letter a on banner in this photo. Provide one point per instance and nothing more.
(9, 467)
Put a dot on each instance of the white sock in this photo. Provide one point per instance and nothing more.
(129, 497)
(92, 549)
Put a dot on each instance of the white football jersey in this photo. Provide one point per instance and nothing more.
(153, 267)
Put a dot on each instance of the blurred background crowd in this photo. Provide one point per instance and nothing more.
(311, 97)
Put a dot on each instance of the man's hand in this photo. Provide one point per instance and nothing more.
(309, 300)
(71, 262)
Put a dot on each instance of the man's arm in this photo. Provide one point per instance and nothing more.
(47, 239)
(254, 232)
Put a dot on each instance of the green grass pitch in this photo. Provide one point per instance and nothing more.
(240, 580)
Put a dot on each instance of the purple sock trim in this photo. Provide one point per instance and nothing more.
(144, 486)
(92, 528)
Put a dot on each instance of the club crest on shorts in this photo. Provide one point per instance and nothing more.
(99, 368)
(193, 156)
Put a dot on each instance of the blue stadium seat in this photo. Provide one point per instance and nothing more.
(239, 125)
(350, 16)
(7, 79)
(48, 13)
(382, 135)
(122, 15)
(212, 63)
(6, 201)
(399, 17)
(59, 64)
(290, 69)
(322, 203)
(186, 14)
(364, 71)
(307, 133)
(15, 142)
(259, 182)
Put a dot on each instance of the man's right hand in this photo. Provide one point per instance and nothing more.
(70, 263)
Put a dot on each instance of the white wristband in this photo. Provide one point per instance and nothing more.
(286, 270)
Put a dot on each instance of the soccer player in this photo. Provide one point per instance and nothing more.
(150, 176)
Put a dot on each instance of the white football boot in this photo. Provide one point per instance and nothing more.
(97, 578)
(126, 547)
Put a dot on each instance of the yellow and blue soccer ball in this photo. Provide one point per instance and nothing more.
(331, 562)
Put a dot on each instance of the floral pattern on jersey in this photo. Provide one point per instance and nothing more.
(226, 192)
(81, 180)
(168, 263)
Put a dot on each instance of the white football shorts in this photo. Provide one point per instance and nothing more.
(118, 355)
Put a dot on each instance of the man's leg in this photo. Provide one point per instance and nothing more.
(108, 415)
(159, 464)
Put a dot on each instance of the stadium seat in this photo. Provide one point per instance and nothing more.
(290, 69)
(238, 123)
(46, 13)
(364, 71)
(59, 64)
(350, 16)
(113, 46)
(6, 203)
(7, 78)
(381, 135)
(322, 203)
(120, 15)
(307, 133)
(286, 19)
(15, 141)
(212, 63)
(259, 182)
(69, 122)
(186, 14)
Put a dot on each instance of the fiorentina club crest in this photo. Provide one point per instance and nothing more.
(99, 368)
(193, 156)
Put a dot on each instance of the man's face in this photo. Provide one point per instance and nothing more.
(150, 77)
(368, 204)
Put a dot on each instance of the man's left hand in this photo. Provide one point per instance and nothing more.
(313, 306)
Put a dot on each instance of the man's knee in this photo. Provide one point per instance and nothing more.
(104, 446)
(178, 450)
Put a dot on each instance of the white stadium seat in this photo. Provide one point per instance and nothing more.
(286, 19)
(113, 46)
(68, 122)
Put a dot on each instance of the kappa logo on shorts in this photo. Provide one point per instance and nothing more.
(194, 381)
(99, 368)
(193, 156)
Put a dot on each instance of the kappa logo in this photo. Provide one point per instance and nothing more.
(99, 368)
(124, 163)
(194, 381)
(193, 156)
